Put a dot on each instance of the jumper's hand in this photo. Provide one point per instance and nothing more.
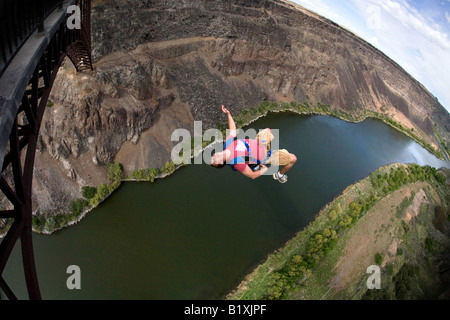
(263, 169)
(225, 110)
(231, 124)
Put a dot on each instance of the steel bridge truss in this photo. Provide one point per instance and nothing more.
(18, 163)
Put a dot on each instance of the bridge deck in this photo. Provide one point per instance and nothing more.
(15, 78)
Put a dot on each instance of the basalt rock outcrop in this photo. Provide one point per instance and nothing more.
(161, 64)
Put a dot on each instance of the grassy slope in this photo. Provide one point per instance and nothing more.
(412, 249)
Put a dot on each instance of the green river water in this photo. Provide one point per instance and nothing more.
(197, 233)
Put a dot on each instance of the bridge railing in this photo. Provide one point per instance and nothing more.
(18, 20)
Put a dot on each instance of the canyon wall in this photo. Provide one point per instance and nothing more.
(161, 64)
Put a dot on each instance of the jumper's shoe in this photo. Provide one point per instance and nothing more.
(283, 179)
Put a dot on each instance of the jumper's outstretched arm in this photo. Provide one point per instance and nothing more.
(231, 124)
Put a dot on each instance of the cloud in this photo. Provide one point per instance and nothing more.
(418, 41)
(408, 16)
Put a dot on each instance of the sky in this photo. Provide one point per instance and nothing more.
(414, 33)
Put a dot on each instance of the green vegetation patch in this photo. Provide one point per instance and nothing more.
(92, 196)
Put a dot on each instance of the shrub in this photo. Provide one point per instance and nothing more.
(115, 172)
(152, 173)
(138, 174)
(332, 215)
(38, 222)
(94, 202)
(102, 191)
(429, 244)
(77, 206)
(345, 221)
(88, 192)
(168, 167)
(403, 281)
(355, 210)
(378, 259)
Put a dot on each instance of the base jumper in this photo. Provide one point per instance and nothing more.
(250, 156)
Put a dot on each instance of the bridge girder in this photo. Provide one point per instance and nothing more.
(22, 112)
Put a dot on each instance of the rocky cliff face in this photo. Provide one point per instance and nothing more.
(161, 64)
